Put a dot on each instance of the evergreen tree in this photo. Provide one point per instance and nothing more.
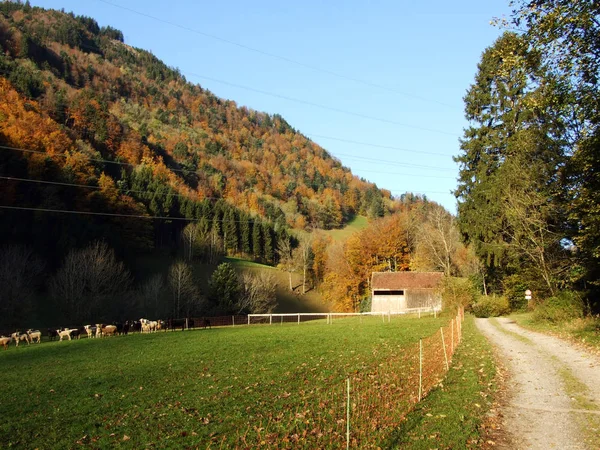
(224, 288)
(245, 234)
(230, 230)
(268, 244)
(257, 240)
(510, 155)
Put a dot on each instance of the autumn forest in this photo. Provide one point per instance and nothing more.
(109, 156)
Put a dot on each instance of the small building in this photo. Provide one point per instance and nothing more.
(398, 292)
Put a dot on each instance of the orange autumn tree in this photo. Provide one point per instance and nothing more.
(381, 247)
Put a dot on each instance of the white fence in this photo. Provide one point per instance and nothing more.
(276, 318)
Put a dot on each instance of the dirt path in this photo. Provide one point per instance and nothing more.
(554, 389)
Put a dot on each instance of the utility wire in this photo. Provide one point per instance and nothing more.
(87, 186)
(273, 55)
(318, 105)
(367, 144)
(128, 191)
(200, 172)
(94, 213)
(393, 163)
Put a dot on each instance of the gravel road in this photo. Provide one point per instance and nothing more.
(553, 399)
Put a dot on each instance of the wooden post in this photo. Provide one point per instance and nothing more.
(298, 318)
(233, 321)
(444, 345)
(420, 368)
(452, 336)
(248, 319)
(348, 413)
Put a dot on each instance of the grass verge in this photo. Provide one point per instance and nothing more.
(584, 332)
(454, 414)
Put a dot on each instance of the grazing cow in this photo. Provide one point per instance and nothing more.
(89, 331)
(18, 337)
(52, 334)
(33, 335)
(126, 327)
(4, 341)
(207, 324)
(75, 333)
(136, 325)
(148, 326)
(99, 330)
(109, 330)
(177, 323)
(66, 333)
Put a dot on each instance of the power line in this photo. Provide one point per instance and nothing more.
(107, 161)
(406, 174)
(367, 144)
(273, 55)
(94, 213)
(394, 163)
(87, 186)
(318, 105)
(419, 192)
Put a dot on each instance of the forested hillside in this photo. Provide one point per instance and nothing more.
(80, 107)
(107, 155)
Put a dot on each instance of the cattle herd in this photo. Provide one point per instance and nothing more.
(99, 330)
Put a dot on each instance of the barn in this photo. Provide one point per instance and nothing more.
(398, 292)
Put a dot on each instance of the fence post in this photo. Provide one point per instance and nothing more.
(444, 345)
(298, 318)
(434, 313)
(186, 324)
(248, 319)
(348, 413)
(420, 368)
(233, 321)
(270, 319)
(419, 313)
(452, 336)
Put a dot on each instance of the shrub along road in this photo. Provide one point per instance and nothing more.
(553, 397)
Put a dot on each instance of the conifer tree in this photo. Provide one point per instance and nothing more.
(268, 244)
(257, 241)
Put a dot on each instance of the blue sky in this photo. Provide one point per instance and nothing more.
(413, 61)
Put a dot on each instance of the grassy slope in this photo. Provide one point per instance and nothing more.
(356, 224)
(289, 301)
(452, 415)
(184, 388)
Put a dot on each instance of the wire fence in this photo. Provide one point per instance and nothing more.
(363, 409)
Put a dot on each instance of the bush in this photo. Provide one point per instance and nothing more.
(457, 292)
(491, 306)
(564, 306)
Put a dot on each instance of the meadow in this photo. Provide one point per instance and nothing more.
(221, 387)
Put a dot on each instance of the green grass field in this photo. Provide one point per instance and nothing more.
(356, 224)
(185, 389)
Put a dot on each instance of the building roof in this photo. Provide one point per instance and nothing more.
(405, 280)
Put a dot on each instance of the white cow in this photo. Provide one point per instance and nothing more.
(35, 335)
